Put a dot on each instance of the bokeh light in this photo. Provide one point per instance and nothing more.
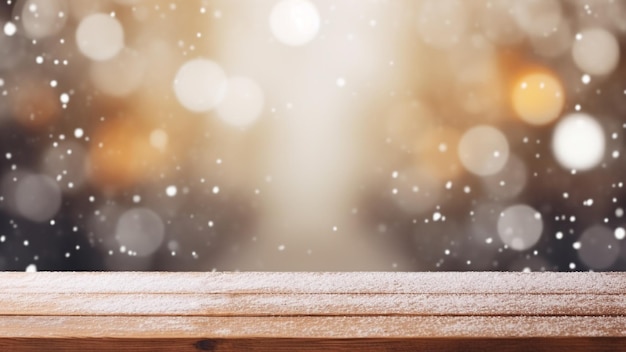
(520, 226)
(37, 197)
(578, 142)
(538, 98)
(99, 37)
(141, 231)
(483, 150)
(599, 249)
(294, 22)
(43, 18)
(200, 84)
(312, 135)
(596, 51)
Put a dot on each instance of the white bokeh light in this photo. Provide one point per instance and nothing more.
(596, 51)
(171, 191)
(520, 226)
(242, 103)
(483, 150)
(43, 18)
(578, 142)
(294, 22)
(140, 230)
(599, 248)
(100, 37)
(200, 84)
(10, 29)
(37, 197)
(620, 233)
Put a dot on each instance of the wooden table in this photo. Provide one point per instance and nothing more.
(474, 311)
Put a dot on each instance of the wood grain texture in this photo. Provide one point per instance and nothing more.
(309, 345)
(312, 311)
(324, 304)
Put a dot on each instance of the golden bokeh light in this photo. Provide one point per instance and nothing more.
(538, 98)
(122, 153)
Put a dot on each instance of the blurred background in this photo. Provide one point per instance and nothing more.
(387, 135)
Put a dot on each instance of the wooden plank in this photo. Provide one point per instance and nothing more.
(290, 345)
(340, 327)
(310, 304)
(312, 311)
(360, 283)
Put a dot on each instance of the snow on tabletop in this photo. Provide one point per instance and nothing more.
(310, 304)
(352, 282)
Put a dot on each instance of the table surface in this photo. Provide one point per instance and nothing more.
(312, 311)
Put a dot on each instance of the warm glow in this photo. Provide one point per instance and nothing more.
(121, 154)
(538, 98)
